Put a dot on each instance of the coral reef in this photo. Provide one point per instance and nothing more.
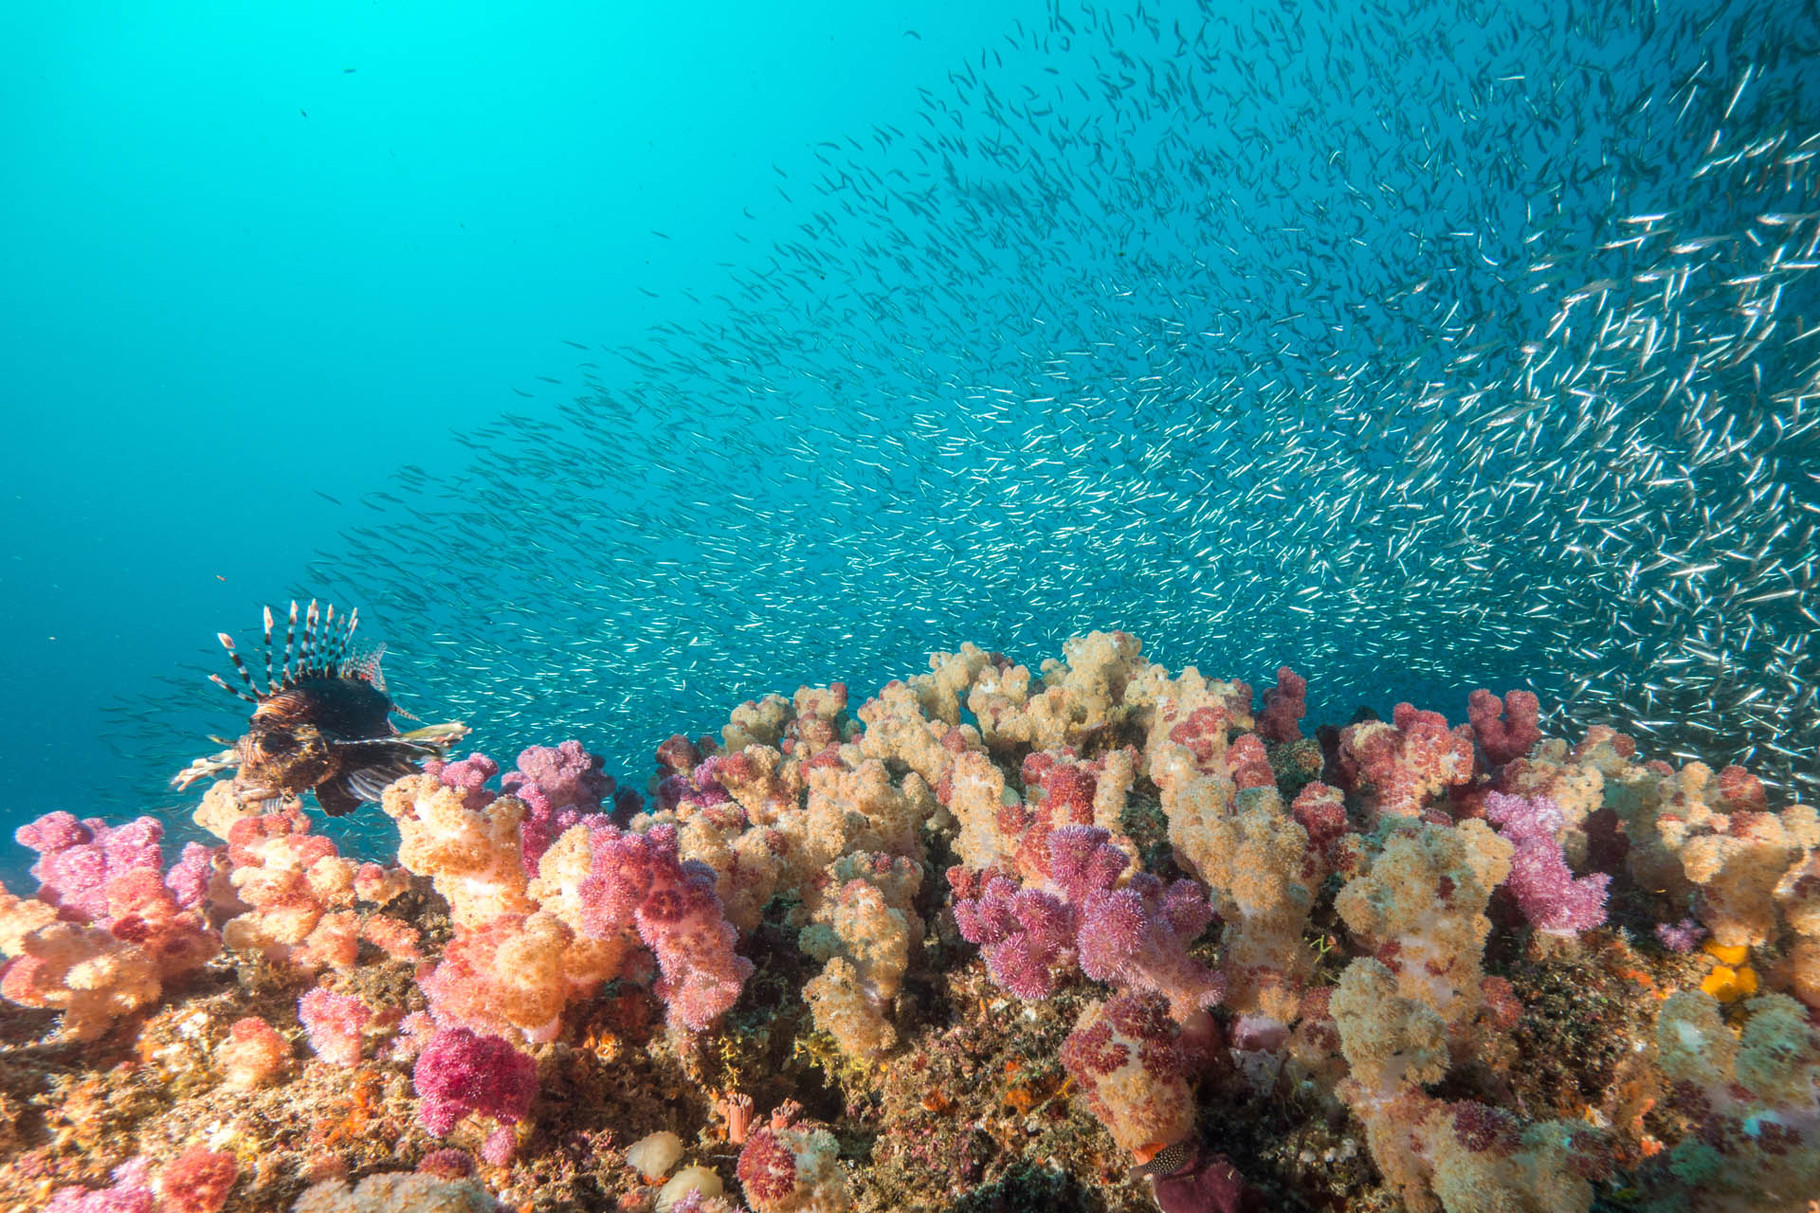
(1096, 936)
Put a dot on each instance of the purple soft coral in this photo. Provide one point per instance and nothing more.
(1023, 934)
(561, 786)
(469, 777)
(637, 881)
(1551, 897)
(1135, 938)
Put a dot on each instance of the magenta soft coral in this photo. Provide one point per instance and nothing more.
(460, 1072)
(1284, 705)
(111, 878)
(561, 786)
(1026, 935)
(1505, 728)
(1406, 763)
(77, 859)
(469, 777)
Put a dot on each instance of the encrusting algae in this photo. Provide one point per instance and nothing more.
(1097, 936)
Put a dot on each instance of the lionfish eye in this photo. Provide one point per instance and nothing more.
(277, 743)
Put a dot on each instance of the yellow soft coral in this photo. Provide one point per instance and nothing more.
(1421, 904)
(867, 934)
(473, 857)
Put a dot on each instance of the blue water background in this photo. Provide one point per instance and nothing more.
(215, 307)
(257, 256)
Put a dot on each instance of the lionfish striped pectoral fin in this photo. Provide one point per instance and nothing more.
(337, 797)
(368, 768)
(431, 741)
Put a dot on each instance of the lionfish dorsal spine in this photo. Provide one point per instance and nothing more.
(307, 659)
(221, 682)
(227, 642)
(338, 641)
(290, 632)
(270, 685)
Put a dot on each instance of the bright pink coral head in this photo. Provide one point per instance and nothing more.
(1136, 938)
(561, 786)
(637, 882)
(468, 776)
(77, 859)
(1083, 860)
(1024, 934)
(460, 1072)
(129, 1193)
(567, 774)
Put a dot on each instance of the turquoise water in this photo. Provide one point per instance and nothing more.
(217, 307)
(903, 328)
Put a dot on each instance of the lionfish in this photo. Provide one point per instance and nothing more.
(322, 724)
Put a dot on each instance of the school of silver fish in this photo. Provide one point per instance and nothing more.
(1418, 347)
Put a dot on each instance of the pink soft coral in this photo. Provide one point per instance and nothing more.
(1505, 728)
(561, 786)
(1284, 704)
(1551, 897)
(77, 859)
(637, 881)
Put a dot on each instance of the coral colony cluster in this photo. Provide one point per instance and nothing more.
(1096, 936)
